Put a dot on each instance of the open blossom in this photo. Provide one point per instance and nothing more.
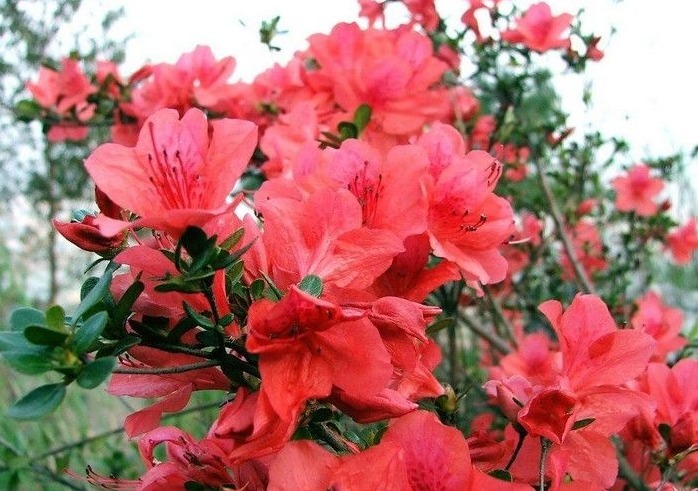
(65, 92)
(467, 222)
(660, 321)
(683, 241)
(196, 79)
(583, 382)
(179, 173)
(637, 190)
(417, 452)
(539, 30)
(394, 72)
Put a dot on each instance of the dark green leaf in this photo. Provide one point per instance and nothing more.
(21, 318)
(347, 130)
(178, 285)
(123, 308)
(96, 294)
(502, 474)
(96, 372)
(28, 363)
(89, 332)
(208, 338)
(582, 423)
(200, 319)
(195, 241)
(665, 432)
(45, 336)
(124, 344)
(311, 284)
(39, 402)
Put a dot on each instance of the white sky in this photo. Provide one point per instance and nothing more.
(643, 90)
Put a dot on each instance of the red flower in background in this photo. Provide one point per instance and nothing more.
(65, 92)
(539, 30)
(637, 190)
(661, 322)
(683, 241)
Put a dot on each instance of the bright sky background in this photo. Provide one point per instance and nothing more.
(644, 89)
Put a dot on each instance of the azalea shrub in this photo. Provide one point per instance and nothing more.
(390, 259)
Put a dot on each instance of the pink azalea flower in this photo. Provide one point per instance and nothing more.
(636, 191)
(539, 30)
(683, 241)
(180, 173)
(661, 322)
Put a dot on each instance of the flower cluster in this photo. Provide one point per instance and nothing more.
(302, 243)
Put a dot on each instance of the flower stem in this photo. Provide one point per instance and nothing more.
(166, 370)
(545, 445)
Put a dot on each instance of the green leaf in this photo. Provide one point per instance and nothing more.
(233, 240)
(347, 130)
(311, 284)
(582, 423)
(195, 241)
(179, 284)
(45, 336)
(15, 341)
(96, 372)
(665, 432)
(123, 308)
(96, 294)
(21, 318)
(89, 332)
(256, 289)
(200, 319)
(235, 272)
(55, 318)
(124, 344)
(28, 363)
(27, 110)
(439, 325)
(362, 116)
(39, 402)
(502, 475)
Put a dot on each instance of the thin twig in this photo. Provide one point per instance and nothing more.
(166, 370)
(545, 445)
(497, 343)
(54, 476)
(626, 471)
(499, 317)
(562, 235)
(115, 431)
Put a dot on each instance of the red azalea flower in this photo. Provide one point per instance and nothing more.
(178, 174)
(539, 30)
(637, 190)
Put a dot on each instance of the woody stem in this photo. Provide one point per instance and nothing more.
(560, 229)
(545, 445)
(166, 370)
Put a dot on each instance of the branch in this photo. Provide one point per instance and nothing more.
(499, 317)
(115, 431)
(562, 235)
(497, 343)
(166, 370)
(626, 471)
